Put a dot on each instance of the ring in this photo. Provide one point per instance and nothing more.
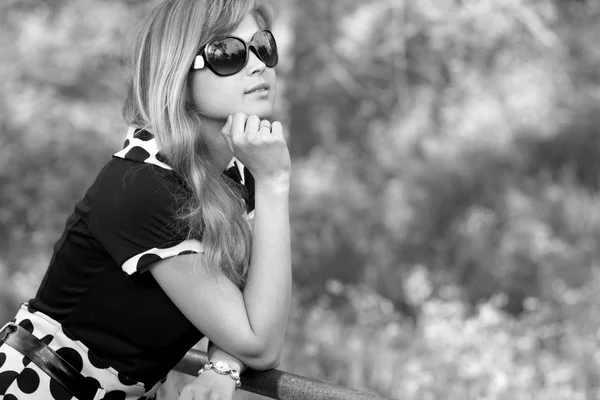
(265, 124)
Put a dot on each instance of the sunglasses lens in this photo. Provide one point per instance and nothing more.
(227, 56)
(267, 48)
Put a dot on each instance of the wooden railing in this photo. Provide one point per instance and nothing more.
(277, 384)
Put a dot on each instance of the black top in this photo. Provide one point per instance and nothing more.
(95, 285)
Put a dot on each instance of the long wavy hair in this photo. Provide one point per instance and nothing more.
(159, 98)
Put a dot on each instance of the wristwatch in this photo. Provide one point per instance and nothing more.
(222, 368)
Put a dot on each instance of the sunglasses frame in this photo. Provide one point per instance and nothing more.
(202, 60)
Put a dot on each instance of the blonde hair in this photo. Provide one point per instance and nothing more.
(159, 98)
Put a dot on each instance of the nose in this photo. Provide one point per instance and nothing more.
(255, 65)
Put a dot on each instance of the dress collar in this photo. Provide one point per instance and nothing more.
(141, 146)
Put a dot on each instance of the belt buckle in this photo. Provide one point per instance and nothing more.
(7, 331)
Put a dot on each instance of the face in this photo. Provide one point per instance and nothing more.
(217, 97)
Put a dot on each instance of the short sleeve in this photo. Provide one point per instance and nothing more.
(133, 215)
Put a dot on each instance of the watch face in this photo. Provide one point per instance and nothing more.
(221, 367)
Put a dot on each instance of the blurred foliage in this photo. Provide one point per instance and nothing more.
(446, 194)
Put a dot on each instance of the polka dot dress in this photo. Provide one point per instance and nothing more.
(20, 379)
(125, 223)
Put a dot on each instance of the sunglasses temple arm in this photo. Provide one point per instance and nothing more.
(199, 62)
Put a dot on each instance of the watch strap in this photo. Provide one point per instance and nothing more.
(222, 368)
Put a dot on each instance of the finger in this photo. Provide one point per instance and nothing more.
(277, 130)
(252, 124)
(227, 127)
(238, 125)
(184, 395)
(226, 132)
(265, 126)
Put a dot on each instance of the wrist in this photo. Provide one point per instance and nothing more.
(222, 368)
(216, 354)
(231, 363)
(211, 376)
(277, 184)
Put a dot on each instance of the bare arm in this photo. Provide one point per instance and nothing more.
(249, 325)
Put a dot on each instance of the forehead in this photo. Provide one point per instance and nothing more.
(247, 28)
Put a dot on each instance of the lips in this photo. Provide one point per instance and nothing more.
(263, 86)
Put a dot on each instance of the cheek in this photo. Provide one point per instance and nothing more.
(212, 94)
(270, 76)
(273, 81)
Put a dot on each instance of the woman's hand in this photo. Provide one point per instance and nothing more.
(259, 145)
(209, 386)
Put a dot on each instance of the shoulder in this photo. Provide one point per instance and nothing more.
(142, 178)
(125, 186)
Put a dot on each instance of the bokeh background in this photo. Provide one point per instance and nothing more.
(445, 204)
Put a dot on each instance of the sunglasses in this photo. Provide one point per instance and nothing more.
(229, 55)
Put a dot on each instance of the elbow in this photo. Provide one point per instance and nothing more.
(269, 358)
(264, 363)
(273, 361)
(257, 352)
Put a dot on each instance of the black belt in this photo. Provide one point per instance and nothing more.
(51, 363)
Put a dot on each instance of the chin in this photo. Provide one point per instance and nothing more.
(263, 112)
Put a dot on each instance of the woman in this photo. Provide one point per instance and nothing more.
(159, 252)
